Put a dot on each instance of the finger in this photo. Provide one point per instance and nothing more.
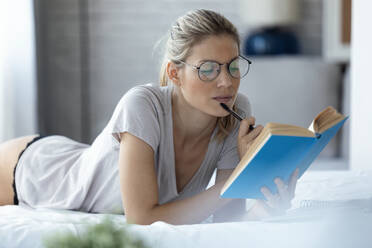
(271, 199)
(244, 126)
(243, 129)
(256, 131)
(251, 120)
(285, 199)
(282, 190)
(267, 193)
(251, 135)
(293, 182)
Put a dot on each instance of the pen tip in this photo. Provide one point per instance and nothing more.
(224, 106)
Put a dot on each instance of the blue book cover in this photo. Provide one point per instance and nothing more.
(278, 157)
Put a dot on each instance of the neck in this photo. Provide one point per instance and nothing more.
(189, 124)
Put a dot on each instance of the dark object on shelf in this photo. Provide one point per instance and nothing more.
(271, 41)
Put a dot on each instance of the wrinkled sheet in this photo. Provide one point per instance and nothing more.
(305, 225)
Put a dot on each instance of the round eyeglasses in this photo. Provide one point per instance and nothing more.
(209, 70)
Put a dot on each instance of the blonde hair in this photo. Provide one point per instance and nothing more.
(189, 30)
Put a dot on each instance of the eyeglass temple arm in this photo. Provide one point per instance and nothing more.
(250, 62)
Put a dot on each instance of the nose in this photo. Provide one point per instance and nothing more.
(224, 79)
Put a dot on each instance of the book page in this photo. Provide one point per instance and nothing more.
(289, 130)
(326, 119)
(311, 127)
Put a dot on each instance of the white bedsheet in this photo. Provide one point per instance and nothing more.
(342, 226)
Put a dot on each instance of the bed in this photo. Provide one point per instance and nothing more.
(331, 209)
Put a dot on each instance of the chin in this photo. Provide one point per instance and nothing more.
(216, 110)
(215, 113)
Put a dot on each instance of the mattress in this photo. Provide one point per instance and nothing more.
(330, 209)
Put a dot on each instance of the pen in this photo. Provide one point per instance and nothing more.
(225, 107)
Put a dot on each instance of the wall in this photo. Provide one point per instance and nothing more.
(59, 49)
(123, 35)
(91, 52)
(17, 70)
(6, 119)
(361, 87)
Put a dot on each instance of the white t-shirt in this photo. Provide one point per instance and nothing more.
(57, 172)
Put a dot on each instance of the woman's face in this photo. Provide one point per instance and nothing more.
(206, 96)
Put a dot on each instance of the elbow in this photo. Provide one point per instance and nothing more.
(140, 218)
(149, 216)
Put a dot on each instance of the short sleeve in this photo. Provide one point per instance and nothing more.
(136, 113)
(229, 156)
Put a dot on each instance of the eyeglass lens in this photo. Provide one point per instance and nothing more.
(209, 70)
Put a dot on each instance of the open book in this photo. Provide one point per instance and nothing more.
(278, 151)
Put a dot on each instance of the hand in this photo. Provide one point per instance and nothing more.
(275, 204)
(280, 202)
(246, 136)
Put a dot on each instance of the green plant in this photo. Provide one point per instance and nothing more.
(102, 235)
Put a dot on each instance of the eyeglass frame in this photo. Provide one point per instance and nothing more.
(219, 69)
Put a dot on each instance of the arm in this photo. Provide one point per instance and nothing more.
(139, 190)
(232, 211)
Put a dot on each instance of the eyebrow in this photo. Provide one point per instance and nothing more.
(211, 60)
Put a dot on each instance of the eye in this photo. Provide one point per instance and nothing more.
(234, 67)
(235, 64)
(207, 68)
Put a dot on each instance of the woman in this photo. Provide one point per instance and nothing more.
(155, 157)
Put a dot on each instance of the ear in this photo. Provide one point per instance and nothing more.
(173, 73)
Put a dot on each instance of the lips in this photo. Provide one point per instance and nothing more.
(223, 99)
